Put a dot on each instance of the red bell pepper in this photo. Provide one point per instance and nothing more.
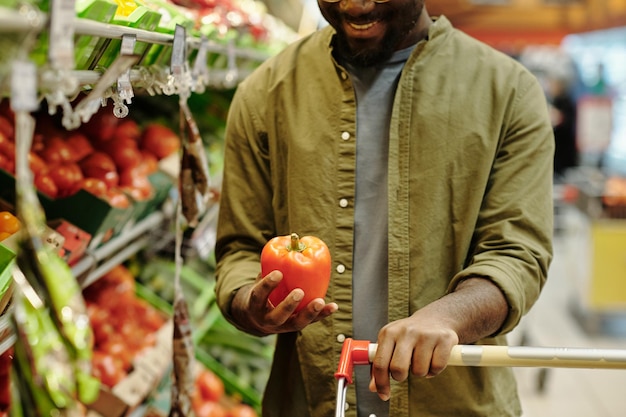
(305, 263)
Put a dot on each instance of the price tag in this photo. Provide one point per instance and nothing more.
(179, 51)
(180, 74)
(24, 86)
(61, 48)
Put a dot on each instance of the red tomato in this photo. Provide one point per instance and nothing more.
(7, 146)
(152, 320)
(210, 409)
(6, 127)
(97, 315)
(242, 410)
(38, 143)
(117, 198)
(79, 146)
(124, 152)
(305, 263)
(128, 128)
(149, 163)
(136, 184)
(117, 347)
(98, 159)
(100, 165)
(209, 385)
(102, 333)
(45, 184)
(102, 125)
(94, 186)
(56, 151)
(160, 140)
(109, 369)
(37, 165)
(66, 176)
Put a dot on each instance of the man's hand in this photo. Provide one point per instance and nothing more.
(421, 344)
(252, 311)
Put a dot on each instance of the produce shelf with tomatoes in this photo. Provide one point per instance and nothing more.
(132, 342)
(107, 187)
(99, 178)
(240, 361)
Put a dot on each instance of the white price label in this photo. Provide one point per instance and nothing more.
(61, 48)
(24, 86)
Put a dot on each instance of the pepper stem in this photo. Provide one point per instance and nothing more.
(296, 245)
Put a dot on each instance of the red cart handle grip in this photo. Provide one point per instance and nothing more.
(353, 352)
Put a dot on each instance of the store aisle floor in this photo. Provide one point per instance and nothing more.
(559, 392)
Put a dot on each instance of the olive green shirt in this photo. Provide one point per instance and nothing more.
(470, 194)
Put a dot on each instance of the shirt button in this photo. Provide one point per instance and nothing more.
(341, 268)
(343, 203)
(341, 338)
(344, 76)
(345, 135)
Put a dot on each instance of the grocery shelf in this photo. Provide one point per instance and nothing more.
(26, 19)
(104, 258)
(100, 261)
(22, 20)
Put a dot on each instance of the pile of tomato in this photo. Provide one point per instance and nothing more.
(209, 398)
(108, 157)
(9, 224)
(123, 324)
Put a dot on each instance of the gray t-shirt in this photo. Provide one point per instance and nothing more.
(375, 89)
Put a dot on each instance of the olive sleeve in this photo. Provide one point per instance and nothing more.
(512, 243)
(245, 215)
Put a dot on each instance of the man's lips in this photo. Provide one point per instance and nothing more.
(363, 26)
(368, 29)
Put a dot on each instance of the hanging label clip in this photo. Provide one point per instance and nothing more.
(180, 80)
(200, 73)
(124, 86)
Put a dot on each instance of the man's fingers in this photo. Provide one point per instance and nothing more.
(400, 363)
(380, 370)
(284, 310)
(440, 358)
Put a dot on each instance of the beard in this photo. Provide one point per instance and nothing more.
(363, 53)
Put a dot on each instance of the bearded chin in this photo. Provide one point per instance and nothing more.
(365, 56)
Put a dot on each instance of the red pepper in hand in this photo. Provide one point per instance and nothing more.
(304, 263)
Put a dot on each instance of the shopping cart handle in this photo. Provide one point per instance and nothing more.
(529, 356)
(354, 352)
